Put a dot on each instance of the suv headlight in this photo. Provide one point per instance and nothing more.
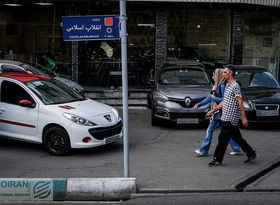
(160, 97)
(248, 105)
(77, 119)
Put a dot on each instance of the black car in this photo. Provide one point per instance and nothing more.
(261, 93)
(175, 89)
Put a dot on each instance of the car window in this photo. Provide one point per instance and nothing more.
(248, 78)
(53, 91)
(13, 93)
(174, 75)
(11, 69)
(36, 70)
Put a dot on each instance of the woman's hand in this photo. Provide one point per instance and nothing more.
(196, 106)
(209, 113)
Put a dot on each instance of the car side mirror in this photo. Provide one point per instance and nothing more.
(26, 103)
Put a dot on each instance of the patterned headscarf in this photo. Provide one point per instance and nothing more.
(219, 79)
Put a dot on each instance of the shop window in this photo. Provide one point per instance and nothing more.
(11, 29)
(260, 26)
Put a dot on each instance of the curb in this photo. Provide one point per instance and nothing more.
(240, 186)
(109, 189)
(172, 191)
(71, 189)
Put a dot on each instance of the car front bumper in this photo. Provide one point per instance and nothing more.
(106, 135)
(252, 117)
(175, 113)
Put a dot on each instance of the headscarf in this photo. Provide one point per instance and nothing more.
(219, 80)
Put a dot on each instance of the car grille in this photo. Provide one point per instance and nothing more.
(267, 107)
(182, 102)
(104, 132)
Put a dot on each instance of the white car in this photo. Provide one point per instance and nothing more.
(40, 109)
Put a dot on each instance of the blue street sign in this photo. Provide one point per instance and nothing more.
(84, 28)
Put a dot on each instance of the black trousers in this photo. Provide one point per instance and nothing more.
(230, 131)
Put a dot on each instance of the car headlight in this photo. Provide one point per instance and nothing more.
(160, 97)
(77, 119)
(247, 105)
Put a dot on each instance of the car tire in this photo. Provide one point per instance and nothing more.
(56, 141)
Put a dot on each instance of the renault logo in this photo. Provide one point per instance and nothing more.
(266, 107)
(108, 117)
(188, 101)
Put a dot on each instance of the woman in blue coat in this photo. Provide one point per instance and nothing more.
(215, 98)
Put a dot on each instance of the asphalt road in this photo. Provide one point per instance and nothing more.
(161, 158)
(151, 148)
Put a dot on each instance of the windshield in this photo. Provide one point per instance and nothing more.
(52, 91)
(182, 75)
(35, 70)
(251, 78)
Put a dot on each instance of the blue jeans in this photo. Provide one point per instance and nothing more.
(215, 123)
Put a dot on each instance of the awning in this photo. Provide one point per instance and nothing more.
(273, 3)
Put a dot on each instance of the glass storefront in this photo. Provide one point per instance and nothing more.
(31, 32)
(262, 39)
(100, 70)
(195, 31)
(199, 33)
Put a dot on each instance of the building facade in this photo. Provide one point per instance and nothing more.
(216, 32)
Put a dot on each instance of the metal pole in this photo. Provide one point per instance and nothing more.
(75, 50)
(53, 39)
(123, 36)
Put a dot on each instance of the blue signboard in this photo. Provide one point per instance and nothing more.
(84, 28)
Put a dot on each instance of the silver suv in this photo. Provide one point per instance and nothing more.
(175, 89)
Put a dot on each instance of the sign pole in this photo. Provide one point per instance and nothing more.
(123, 36)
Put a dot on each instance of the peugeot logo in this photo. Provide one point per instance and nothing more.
(108, 117)
(188, 101)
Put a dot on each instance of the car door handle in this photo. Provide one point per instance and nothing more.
(2, 110)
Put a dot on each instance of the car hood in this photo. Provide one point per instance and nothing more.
(70, 83)
(262, 95)
(87, 108)
(182, 91)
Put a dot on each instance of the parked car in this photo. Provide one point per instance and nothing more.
(261, 93)
(175, 89)
(7, 66)
(44, 110)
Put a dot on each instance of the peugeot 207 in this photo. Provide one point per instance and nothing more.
(43, 110)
